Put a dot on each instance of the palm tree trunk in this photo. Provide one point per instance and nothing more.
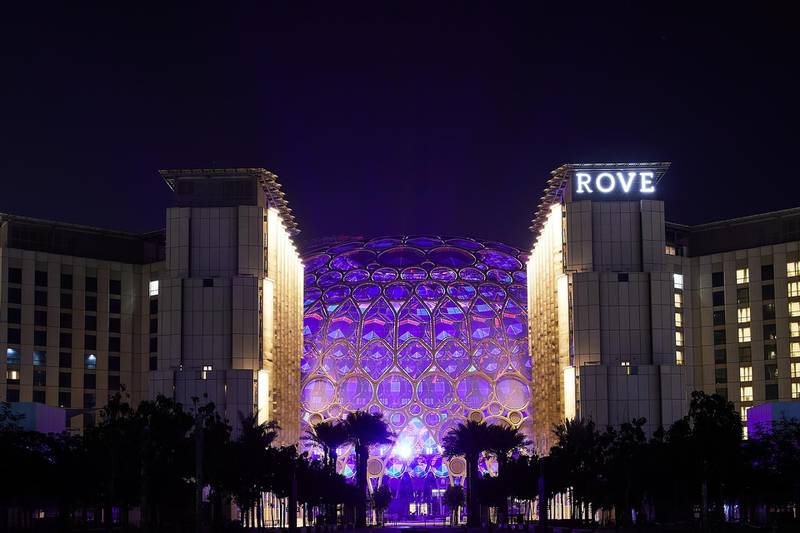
(362, 452)
(473, 517)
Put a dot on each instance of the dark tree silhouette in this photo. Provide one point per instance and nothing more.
(504, 440)
(468, 439)
(454, 499)
(364, 430)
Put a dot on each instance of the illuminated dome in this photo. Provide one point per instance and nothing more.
(428, 330)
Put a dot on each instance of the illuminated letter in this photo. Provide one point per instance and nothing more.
(647, 182)
(626, 185)
(598, 182)
(583, 182)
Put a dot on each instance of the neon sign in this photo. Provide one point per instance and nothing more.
(607, 182)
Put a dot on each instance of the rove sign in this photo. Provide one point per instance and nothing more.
(615, 183)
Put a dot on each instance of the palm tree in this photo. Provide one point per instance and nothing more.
(469, 440)
(364, 430)
(504, 440)
(329, 436)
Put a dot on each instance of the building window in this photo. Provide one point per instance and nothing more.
(153, 325)
(90, 361)
(40, 278)
(66, 281)
(39, 358)
(717, 279)
(206, 370)
(771, 371)
(794, 309)
(91, 284)
(767, 272)
(795, 369)
(746, 394)
(719, 318)
(745, 354)
(14, 295)
(794, 349)
(770, 351)
(153, 362)
(678, 320)
(64, 399)
(768, 311)
(722, 391)
(678, 300)
(794, 288)
(719, 336)
(720, 356)
(40, 337)
(743, 413)
(768, 292)
(114, 325)
(677, 281)
(90, 322)
(746, 373)
(113, 363)
(90, 342)
(40, 318)
(14, 315)
(717, 298)
(12, 356)
(91, 303)
(743, 314)
(720, 376)
(65, 320)
(793, 268)
(65, 340)
(14, 336)
(12, 376)
(89, 400)
(743, 296)
(113, 383)
(12, 395)
(154, 287)
(153, 306)
(678, 338)
(744, 334)
(113, 344)
(153, 344)
(39, 377)
(114, 286)
(794, 329)
(66, 300)
(770, 332)
(670, 250)
(114, 306)
(678, 357)
(15, 275)
(39, 396)
(64, 380)
(771, 391)
(65, 360)
(40, 298)
(742, 275)
(795, 390)
(89, 381)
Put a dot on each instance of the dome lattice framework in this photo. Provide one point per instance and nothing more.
(430, 331)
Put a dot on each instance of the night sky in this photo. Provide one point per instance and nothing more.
(394, 118)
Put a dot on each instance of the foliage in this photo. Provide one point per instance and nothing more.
(469, 440)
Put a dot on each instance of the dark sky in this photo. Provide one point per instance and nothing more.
(394, 117)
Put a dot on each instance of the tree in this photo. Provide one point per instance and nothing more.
(364, 430)
(454, 499)
(624, 467)
(468, 439)
(502, 441)
(381, 499)
(329, 436)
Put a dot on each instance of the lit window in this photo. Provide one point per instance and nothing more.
(154, 288)
(746, 374)
(206, 370)
(625, 363)
(794, 349)
(794, 288)
(795, 370)
(794, 329)
(677, 280)
(794, 309)
(12, 356)
(746, 394)
(678, 338)
(39, 358)
(679, 300)
(742, 275)
(743, 314)
(744, 334)
(745, 435)
(743, 412)
(678, 320)
(670, 250)
(12, 375)
(793, 268)
(678, 357)
(795, 390)
(90, 361)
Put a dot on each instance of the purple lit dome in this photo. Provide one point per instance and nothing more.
(428, 330)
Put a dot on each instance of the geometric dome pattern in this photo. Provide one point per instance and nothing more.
(428, 330)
